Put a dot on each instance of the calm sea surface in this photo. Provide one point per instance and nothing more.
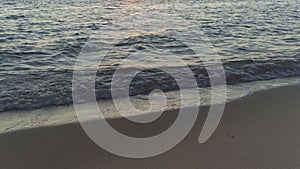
(40, 41)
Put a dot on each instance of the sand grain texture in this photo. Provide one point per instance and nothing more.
(260, 131)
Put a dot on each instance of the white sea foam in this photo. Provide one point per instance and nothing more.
(58, 115)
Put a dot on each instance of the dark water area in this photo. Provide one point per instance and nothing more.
(41, 40)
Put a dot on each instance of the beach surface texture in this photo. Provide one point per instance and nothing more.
(259, 131)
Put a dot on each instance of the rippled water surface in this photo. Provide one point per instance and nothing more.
(41, 39)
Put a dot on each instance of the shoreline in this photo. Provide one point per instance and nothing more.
(257, 131)
(18, 120)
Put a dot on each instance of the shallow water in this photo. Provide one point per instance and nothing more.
(58, 115)
(41, 40)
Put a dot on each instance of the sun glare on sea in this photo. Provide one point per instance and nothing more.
(134, 1)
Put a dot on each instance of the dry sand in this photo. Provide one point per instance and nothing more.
(261, 131)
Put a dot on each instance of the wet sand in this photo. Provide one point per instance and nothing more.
(259, 131)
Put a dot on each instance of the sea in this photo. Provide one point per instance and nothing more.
(256, 42)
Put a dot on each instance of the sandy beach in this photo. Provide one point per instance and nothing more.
(137, 57)
(260, 131)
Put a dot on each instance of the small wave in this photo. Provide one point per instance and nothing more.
(15, 17)
(53, 87)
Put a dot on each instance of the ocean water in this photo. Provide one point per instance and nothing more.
(40, 41)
